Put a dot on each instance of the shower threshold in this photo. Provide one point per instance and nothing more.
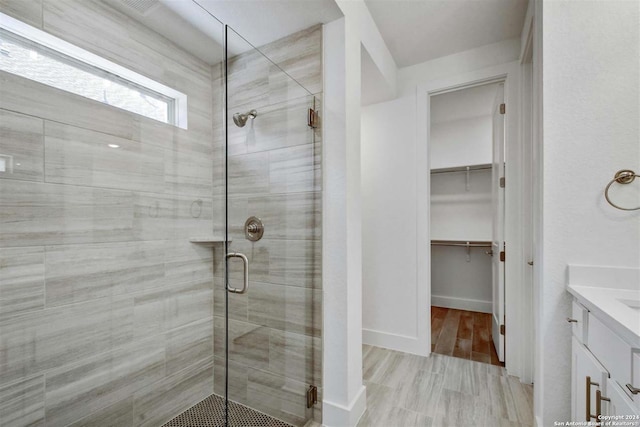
(210, 413)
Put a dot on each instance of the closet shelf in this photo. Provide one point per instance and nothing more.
(483, 166)
(462, 243)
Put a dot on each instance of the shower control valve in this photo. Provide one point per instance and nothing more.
(253, 229)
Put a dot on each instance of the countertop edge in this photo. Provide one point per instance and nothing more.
(623, 331)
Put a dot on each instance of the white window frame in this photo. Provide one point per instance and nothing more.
(178, 107)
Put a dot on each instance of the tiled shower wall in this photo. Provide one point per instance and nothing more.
(106, 309)
(274, 171)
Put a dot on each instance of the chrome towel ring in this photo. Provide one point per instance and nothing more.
(624, 176)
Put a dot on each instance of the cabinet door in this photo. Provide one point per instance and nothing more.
(584, 365)
(619, 403)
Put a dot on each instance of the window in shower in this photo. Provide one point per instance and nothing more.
(39, 56)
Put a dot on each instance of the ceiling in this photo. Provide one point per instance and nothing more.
(467, 103)
(419, 30)
(197, 26)
(263, 21)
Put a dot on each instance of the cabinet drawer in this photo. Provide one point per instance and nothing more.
(581, 315)
(635, 375)
(619, 403)
(610, 350)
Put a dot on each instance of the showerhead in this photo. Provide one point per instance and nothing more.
(241, 119)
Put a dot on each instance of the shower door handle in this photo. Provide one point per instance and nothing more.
(245, 261)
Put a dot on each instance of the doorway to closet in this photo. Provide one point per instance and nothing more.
(467, 165)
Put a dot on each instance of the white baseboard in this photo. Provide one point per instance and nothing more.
(462, 303)
(396, 342)
(335, 415)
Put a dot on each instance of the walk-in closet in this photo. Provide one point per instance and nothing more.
(466, 134)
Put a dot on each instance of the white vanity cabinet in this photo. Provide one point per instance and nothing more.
(605, 369)
(587, 376)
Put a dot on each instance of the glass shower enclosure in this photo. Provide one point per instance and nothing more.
(160, 205)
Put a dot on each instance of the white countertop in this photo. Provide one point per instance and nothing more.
(612, 294)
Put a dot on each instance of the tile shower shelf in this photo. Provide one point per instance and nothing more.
(208, 240)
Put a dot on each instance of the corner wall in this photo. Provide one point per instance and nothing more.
(591, 127)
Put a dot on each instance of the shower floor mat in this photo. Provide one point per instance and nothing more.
(210, 413)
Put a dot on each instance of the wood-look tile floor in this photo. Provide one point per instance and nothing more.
(405, 390)
(463, 334)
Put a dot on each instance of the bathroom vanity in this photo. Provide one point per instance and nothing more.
(605, 369)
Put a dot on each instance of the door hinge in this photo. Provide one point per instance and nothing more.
(502, 329)
(503, 182)
(312, 396)
(312, 118)
(503, 108)
(502, 256)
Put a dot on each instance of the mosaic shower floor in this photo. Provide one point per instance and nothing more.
(210, 413)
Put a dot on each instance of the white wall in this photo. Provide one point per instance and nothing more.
(460, 283)
(458, 213)
(475, 59)
(591, 127)
(465, 213)
(461, 142)
(344, 396)
(385, 126)
(389, 221)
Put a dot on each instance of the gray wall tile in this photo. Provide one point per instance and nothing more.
(47, 214)
(300, 56)
(49, 339)
(279, 396)
(39, 100)
(21, 146)
(21, 280)
(276, 126)
(237, 379)
(188, 302)
(120, 414)
(22, 402)
(159, 402)
(29, 11)
(248, 342)
(188, 345)
(295, 356)
(84, 272)
(70, 397)
(287, 308)
(83, 157)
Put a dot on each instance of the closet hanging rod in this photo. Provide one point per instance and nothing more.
(460, 243)
(461, 169)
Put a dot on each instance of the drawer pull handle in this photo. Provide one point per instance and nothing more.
(588, 397)
(632, 389)
(570, 320)
(599, 399)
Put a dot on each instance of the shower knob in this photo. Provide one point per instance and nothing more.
(253, 229)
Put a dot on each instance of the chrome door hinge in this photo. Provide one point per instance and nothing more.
(502, 329)
(312, 396)
(503, 255)
(312, 118)
(503, 108)
(503, 182)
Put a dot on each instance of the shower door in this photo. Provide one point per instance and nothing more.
(267, 324)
